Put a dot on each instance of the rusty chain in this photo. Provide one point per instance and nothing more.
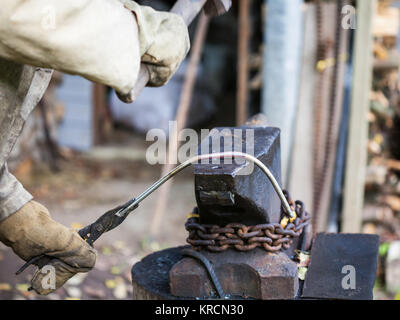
(272, 236)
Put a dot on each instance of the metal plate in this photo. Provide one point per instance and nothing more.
(342, 266)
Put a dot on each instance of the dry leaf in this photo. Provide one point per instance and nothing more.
(106, 251)
(302, 271)
(115, 270)
(76, 225)
(304, 258)
(110, 284)
(5, 287)
(22, 287)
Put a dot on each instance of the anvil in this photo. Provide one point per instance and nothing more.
(239, 191)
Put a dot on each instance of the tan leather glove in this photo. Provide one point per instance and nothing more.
(31, 232)
(163, 39)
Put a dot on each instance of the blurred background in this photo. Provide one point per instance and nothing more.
(325, 72)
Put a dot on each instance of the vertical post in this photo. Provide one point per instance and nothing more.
(300, 181)
(100, 118)
(243, 62)
(353, 198)
(282, 60)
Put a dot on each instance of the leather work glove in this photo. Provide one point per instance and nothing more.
(163, 40)
(31, 232)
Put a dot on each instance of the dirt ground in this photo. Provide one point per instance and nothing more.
(86, 187)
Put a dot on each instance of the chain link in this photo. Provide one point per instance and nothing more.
(271, 236)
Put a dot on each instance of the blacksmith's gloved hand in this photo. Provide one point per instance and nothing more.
(163, 40)
(31, 232)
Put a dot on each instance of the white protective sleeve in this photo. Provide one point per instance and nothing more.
(97, 39)
(101, 40)
(13, 196)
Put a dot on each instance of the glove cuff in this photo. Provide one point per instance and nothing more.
(163, 41)
(148, 21)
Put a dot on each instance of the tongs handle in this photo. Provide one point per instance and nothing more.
(108, 221)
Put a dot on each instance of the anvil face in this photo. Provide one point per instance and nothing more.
(239, 192)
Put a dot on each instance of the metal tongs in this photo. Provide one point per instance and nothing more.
(113, 218)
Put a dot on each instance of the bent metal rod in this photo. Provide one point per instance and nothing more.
(125, 211)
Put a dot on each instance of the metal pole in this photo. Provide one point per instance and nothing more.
(242, 96)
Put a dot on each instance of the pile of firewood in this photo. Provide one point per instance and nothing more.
(382, 190)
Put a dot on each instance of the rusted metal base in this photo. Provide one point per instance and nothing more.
(150, 276)
(254, 274)
(335, 258)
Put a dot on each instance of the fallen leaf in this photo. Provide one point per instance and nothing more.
(110, 284)
(304, 258)
(155, 246)
(76, 225)
(71, 298)
(106, 251)
(302, 271)
(115, 270)
(23, 290)
(22, 287)
(5, 287)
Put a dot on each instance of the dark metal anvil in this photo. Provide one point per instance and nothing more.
(232, 192)
(241, 193)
